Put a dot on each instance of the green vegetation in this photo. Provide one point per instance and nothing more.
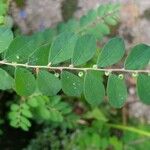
(62, 80)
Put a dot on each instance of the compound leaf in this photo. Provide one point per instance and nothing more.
(19, 117)
(138, 58)
(48, 83)
(72, 85)
(116, 91)
(25, 83)
(94, 91)
(112, 52)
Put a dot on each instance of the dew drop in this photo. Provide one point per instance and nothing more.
(120, 76)
(80, 74)
(57, 75)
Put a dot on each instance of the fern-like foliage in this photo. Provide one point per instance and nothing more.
(56, 59)
(38, 107)
(19, 116)
(48, 109)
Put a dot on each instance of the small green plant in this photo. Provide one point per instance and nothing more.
(39, 107)
(56, 61)
(97, 135)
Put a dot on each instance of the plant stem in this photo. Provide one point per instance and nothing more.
(73, 68)
(131, 129)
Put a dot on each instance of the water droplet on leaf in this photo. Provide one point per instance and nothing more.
(120, 76)
(57, 75)
(80, 74)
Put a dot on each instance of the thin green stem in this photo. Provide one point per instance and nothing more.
(73, 68)
(131, 129)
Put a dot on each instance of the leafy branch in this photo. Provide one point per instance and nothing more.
(67, 52)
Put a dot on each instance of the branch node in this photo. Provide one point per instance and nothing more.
(71, 66)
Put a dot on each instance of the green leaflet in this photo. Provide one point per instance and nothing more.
(116, 91)
(43, 113)
(138, 58)
(48, 36)
(84, 50)
(102, 9)
(143, 88)
(40, 56)
(96, 31)
(112, 52)
(72, 26)
(62, 48)
(32, 102)
(48, 84)
(97, 114)
(6, 81)
(92, 15)
(72, 85)
(94, 91)
(25, 83)
(104, 29)
(110, 20)
(99, 30)
(19, 50)
(113, 18)
(43, 37)
(84, 21)
(24, 46)
(6, 36)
